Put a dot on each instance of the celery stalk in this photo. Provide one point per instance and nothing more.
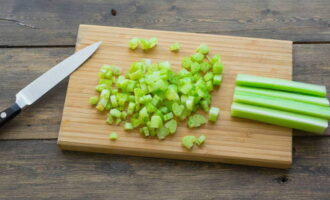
(282, 104)
(281, 118)
(286, 95)
(281, 84)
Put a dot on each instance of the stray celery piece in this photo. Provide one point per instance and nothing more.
(188, 141)
(203, 49)
(196, 120)
(200, 140)
(113, 136)
(128, 126)
(94, 100)
(321, 101)
(134, 43)
(281, 84)
(282, 104)
(156, 121)
(281, 118)
(171, 125)
(214, 114)
(175, 47)
(162, 133)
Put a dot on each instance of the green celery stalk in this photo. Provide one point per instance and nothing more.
(280, 84)
(282, 104)
(281, 118)
(286, 95)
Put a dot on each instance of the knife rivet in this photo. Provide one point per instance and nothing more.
(3, 115)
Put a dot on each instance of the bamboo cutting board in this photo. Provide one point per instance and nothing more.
(229, 140)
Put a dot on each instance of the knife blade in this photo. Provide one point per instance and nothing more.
(40, 86)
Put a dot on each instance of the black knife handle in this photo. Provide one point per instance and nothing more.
(9, 113)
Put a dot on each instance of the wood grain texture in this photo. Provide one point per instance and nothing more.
(47, 22)
(20, 66)
(230, 140)
(39, 170)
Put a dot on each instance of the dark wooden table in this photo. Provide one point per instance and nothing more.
(36, 34)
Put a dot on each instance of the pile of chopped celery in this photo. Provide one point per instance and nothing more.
(281, 102)
(152, 97)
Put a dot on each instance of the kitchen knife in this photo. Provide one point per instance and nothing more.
(36, 89)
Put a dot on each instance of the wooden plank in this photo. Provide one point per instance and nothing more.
(20, 66)
(38, 22)
(39, 170)
(231, 140)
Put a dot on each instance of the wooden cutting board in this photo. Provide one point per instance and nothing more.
(230, 140)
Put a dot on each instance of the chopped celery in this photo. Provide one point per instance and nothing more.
(196, 120)
(156, 121)
(175, 47)
(186, 62)
(282, 104)
(217, 68)
(214, 114)
(280, 84)
(94, 100)
(113, 100)
(109, 119)
(281, 118)
(113, 136)
(217, 79)
(200, 140)
(168, 116)
(162, 133)
(134, 43)
(188, 141)
(215, 58)
(104, 98)
(171, 125)
(128, 126)
(153, 97)
(197, 57)
(115, 113)
(286, 95)
(203, 49)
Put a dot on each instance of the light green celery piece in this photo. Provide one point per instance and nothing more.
(188, 141)
(128, 126)
(281, 118)
(134, 43)
(200, 140)
(93, 100)
(286, 95)
(282, 104)
(104, 98)
(203, 49)
(214, 114)
(280, 84)
(162, 133)
(113, 136)
(196, 120)
(115, 113)
(171, 125)
(175, 47)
